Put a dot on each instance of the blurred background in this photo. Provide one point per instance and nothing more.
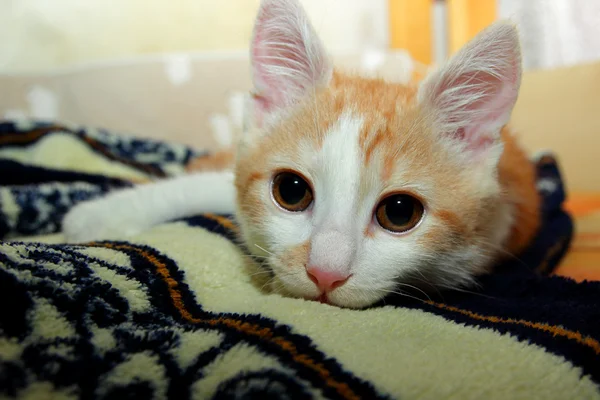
(177, 69)
(39, 34)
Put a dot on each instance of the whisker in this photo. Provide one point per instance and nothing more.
(262, 261)
(502, 250)
(268, 283)
(438, 285)
(400, 294)
(425, 281)
(263, 249)
(254, 257)
(276, 276)
(457, 289)
(390, 291)
(415, 288)
(261, 273)
(277, 289)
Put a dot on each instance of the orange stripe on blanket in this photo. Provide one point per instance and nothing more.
(554, 330)
(27, 137)
(225, 222)
(252, 329)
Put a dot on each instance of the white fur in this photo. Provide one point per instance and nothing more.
(338, 164)
(131, 211)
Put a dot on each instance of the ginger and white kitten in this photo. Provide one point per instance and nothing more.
(352, 187)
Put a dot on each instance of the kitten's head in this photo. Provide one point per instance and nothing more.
(351, 187)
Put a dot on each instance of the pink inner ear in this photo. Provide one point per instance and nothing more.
(488, 98)
(260, 59)
(286, 56)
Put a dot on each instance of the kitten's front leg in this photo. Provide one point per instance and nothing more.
(131, 211)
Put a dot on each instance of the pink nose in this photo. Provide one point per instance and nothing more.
(326, 280)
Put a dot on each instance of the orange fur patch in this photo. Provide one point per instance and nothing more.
(377, 140)
(255, 177)
(452, 222)
(444, 236)
(517, 176)
(297, 255)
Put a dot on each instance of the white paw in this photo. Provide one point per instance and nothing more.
(100, 219)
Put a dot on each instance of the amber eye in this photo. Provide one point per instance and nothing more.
(399, 213)
(291, 191)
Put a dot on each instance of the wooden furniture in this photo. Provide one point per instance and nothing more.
(412, 28)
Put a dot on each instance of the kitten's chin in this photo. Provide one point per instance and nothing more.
(343, 297)
(352, 298)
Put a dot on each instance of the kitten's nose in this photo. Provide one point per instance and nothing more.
(326, 280)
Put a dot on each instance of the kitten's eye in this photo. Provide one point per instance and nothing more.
(399, 213)
(292, 192)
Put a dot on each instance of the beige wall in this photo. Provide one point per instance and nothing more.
(41, 34)
(558, 110)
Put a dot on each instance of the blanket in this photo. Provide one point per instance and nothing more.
(181, 312)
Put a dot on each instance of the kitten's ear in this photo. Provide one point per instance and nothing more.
(472, 95)
(287, 56)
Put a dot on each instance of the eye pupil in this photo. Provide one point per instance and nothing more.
(399, 213)
(292, 189)
(292, 192)
(399, 209)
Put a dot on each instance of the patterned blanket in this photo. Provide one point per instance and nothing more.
(179, 312)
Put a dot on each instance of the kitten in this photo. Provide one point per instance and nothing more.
(351, 187)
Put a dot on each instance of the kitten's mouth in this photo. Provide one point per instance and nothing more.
(323, 298)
